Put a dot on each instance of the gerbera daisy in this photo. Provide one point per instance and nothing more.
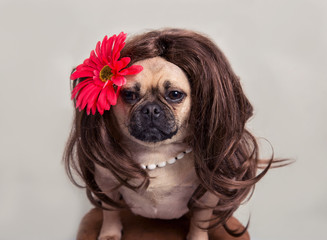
(104, 75)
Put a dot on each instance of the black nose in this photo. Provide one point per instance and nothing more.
(151, 110)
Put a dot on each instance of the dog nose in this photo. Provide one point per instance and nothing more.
(151, 110)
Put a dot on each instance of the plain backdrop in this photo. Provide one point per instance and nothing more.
(277, 47)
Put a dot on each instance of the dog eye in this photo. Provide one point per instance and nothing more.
(129, 96)
(175, 96)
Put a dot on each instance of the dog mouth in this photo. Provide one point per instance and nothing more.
(152, 134)
(152, 122)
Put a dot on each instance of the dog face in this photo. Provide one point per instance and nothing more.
(154, 105)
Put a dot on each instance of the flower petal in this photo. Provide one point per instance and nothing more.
(104, 50)
(98, 81)
(92, 102)
(94, 58)
(94, 107)
(97, 50)
(111, 95)
(84, 67)
(109, 48)
(89, 63)
(102, 101)
(81, 74)
(119, 45)
(81, 104)
(134, 69)
(84, 95)
(79, 86)
(118, 80)
(122, 63)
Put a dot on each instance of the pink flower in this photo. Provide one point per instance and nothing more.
(104, 75)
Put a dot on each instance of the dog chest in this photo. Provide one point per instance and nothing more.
(167, 195)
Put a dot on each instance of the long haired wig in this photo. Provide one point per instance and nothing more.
(225, 153)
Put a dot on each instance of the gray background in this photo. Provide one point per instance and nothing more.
(278, 48)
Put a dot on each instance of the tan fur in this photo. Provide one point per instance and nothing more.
(171, 187)
(156, 71)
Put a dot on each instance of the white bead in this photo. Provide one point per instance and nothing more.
(188, 150)
(143, 166)
(152, 166)
(171, 161)
(162, 164)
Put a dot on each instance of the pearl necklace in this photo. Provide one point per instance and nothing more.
(170, 161)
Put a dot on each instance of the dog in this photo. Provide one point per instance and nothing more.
(175, 141)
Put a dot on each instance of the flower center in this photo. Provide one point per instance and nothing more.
(105, 73)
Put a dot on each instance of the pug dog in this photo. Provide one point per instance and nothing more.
(153, 111)
(174, 142)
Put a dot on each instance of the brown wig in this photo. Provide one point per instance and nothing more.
(225, 153)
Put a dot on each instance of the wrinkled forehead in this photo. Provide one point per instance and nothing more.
(159, 74)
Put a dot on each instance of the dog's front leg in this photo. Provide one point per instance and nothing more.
(111, 224)
(200, 217)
